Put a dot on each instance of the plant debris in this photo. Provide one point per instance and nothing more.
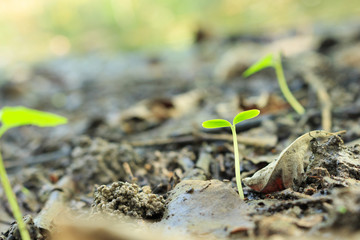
(35, 233)
(288, 170)
(152, 112)
(333, 164)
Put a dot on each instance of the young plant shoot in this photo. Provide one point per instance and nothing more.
(218, 123)
(274, 60)
(11, 117)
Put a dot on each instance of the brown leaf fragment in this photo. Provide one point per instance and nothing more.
(239, 230)
(309, 221)
(150, 113)
(288, 170)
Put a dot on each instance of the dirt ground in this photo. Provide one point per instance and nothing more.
(135, 163)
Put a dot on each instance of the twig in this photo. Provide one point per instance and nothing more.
(55, 204)
(204, 161)
(200, 137)
(43, 158)
(128, 170)
(220, 159)
(323, 98)
(5, 222)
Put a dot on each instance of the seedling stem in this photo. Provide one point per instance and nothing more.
(237, 162)
(284, 87)
(11, 197)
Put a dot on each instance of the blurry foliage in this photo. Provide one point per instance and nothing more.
(30, 30)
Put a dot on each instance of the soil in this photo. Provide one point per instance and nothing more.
(135, 163)
(128, 199)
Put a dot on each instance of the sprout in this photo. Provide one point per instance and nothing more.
(12, 117)
(218, 123)
(274, 60)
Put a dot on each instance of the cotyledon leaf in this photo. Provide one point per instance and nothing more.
(245, 115)
(267, 61)
(216, 123)
(288, 169)
(20, 116)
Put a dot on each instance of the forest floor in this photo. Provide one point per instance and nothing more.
(135, 163)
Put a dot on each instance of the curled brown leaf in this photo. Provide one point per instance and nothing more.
(288, 169)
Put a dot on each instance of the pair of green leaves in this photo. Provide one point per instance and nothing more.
(218, 123)
(19, 116)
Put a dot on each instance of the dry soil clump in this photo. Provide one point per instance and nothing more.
(128, 199)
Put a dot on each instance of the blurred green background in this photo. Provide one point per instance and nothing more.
(39, 29)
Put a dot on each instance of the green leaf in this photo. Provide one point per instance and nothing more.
(267, 61)
(216, 123)
(245, 115)
(19, 116)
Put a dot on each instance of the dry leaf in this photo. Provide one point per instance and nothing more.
(288, 169)
(152, 112)
(190, 209)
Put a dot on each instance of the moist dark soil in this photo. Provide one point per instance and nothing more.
(134, 162)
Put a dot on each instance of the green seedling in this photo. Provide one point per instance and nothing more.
(274, 60)
(12, 117)
(219, 123)
(342, 209)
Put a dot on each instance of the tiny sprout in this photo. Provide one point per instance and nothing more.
(342, 209)
(12, 117)
(274, 60)
(218, 123)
